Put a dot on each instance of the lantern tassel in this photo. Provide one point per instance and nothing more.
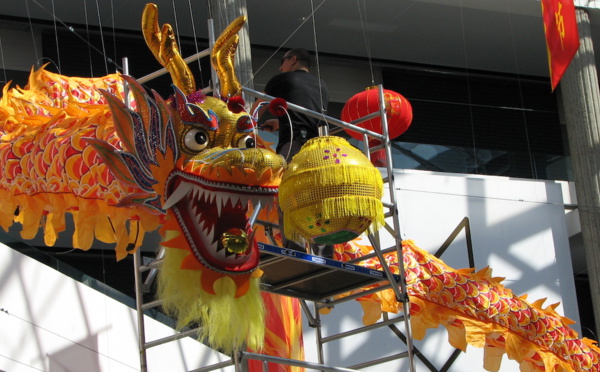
(355, 206)
(330, 193)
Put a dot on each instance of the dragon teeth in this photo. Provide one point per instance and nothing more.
(210, 237)
(182, 190)
(219, 201)
(199, 221)
(211, 197)
(235, 199)
(197, 193)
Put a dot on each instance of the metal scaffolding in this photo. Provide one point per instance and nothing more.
(304, 276)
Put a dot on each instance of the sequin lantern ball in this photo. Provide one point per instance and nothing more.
(330, 193)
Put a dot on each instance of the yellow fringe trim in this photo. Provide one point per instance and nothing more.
(329, 190)
(92, 218)
(340, 213)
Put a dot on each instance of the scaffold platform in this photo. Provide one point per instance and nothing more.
(314, 278)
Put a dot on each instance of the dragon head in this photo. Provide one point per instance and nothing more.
(199, 164)
(194, 159)
(220, 171)
(220, 175)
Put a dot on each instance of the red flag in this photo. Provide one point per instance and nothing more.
(562, 37)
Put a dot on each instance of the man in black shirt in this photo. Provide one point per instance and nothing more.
(296, 85)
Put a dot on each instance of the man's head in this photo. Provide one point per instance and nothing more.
(296, 59)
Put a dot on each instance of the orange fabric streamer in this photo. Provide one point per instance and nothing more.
(283, 337)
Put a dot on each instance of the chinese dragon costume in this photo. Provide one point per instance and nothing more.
(122, 162)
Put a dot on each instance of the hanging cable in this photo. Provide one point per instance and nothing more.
(37, 58)
(464, 40)
(176, 25)
(364, 26)
(56, 19)
(87, 34)
(366, 36)
(196, 41)
(3, 64)
(56, 37)
(102, 37)
(114, 34)
(304, 20)
(521, 99)
(317, 63)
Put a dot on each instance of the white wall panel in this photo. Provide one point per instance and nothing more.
(50, 322)
(518, 228)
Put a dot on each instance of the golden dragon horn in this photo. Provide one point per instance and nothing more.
(222, 57)
(163, 45)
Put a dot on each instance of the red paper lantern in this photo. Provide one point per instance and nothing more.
(398, 109)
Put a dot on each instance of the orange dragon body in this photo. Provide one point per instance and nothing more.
(123, 164)
(476, 309)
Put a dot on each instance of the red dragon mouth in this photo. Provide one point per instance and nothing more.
(213, 217)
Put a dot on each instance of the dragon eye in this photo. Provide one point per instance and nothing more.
(196, 139)
(246, 142)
